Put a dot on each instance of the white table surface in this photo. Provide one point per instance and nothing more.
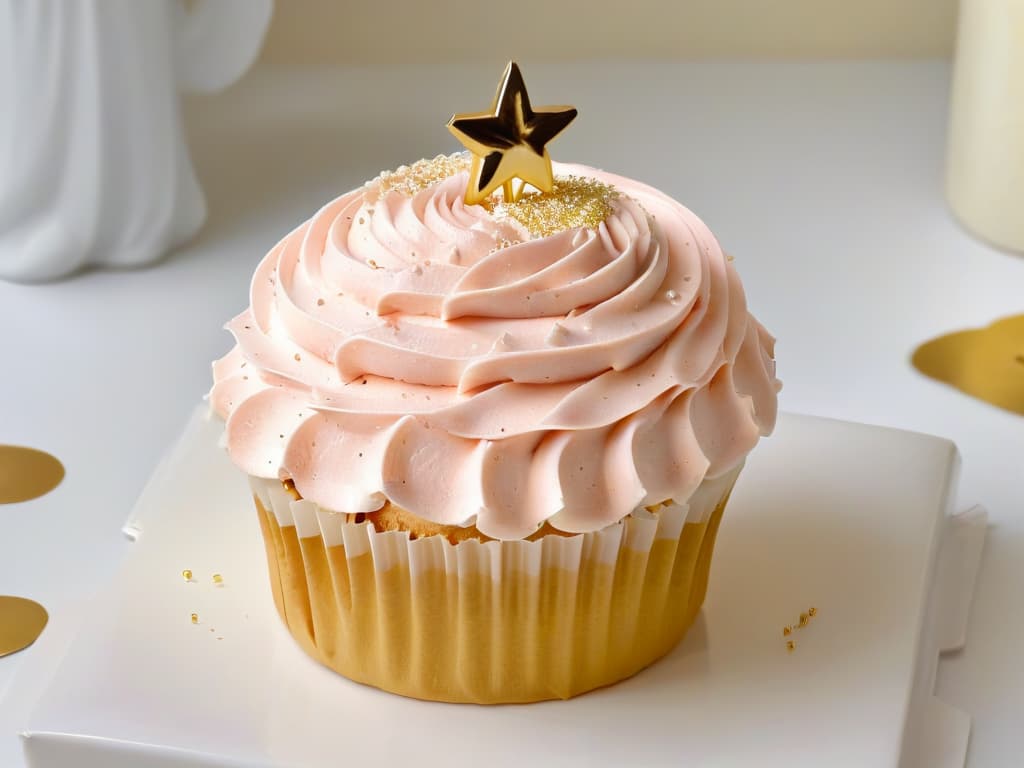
(824, 179)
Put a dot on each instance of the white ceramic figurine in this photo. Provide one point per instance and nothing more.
(94, 169)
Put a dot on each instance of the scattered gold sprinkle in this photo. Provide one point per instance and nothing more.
(410, 179)
(790, 645)
(186, 575)
(319, 302)
(298, 357)
(195, 618)
(575, 201)
(804, 621)
(372, 264)
(218, 579)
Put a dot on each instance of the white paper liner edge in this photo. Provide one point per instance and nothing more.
(638, 532)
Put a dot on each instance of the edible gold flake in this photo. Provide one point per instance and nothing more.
(410, 179)
(186, 575)
(574, 201)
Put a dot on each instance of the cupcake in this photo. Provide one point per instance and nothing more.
(491, 419)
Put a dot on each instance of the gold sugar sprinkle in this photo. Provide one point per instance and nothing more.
(812, 611)
(804, 619)
(410, 179)
(790, 645)
(186, 575)
(787, 631)
(218, 579)
(195, 618)
(575, 201)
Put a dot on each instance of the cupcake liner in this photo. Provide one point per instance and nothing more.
(489, 622)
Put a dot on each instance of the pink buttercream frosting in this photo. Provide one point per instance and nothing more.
(397, 347)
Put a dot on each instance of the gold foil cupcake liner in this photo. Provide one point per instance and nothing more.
(489, 622)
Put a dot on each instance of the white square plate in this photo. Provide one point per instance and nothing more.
(843, 517)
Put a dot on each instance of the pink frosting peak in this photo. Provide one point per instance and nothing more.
(398, 347)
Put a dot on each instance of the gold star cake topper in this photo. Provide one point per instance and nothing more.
(509, 142)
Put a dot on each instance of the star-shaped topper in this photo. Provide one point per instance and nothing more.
(509, 141)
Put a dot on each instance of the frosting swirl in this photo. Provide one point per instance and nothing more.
(413, 348)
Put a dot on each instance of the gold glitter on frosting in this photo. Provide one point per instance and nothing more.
(410, 179)
(575, 201)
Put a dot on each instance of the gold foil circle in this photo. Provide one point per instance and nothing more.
(986, 363)
(21, 622)
(26, 473)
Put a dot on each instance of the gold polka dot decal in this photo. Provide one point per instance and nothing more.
(21, 622)
(986, 363)
(26, 473)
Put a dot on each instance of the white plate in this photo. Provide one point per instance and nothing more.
(843, 517)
